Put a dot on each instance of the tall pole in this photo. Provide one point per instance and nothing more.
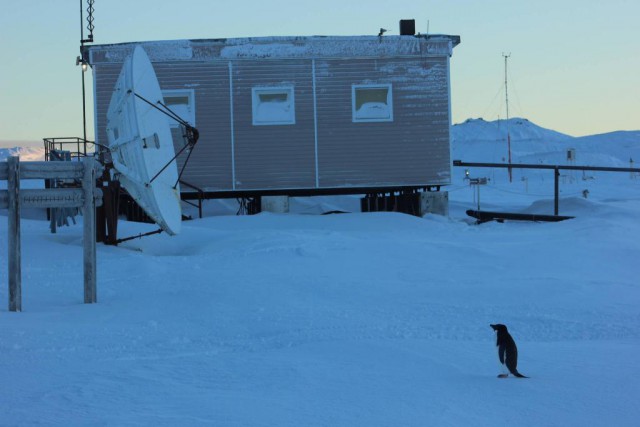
(82, 70)
(83, 61)
(15, 265)
(84, 111)
(506, 96)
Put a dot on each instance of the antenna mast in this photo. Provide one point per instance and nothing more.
(83, 59)
(506, 96)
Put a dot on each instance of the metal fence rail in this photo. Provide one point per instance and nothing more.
(555, 168)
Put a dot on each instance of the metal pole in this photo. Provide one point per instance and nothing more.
(84, 111)
(84, 108)
(506, 96)
(15, 274)
(556, 174)
(81, 25)
(506, 92)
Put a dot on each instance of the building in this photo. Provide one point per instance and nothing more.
(301, 115)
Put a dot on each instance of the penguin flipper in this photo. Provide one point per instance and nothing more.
(502, 349)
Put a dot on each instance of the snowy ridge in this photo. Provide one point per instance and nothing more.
(477, 140)
(476, 130)
(26, 153)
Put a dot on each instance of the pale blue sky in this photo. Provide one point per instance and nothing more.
(574, 66)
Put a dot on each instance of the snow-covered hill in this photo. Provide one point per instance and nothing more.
(477, 140)
(375, 319)
(481, 141)
(26, 153)
(479, 130)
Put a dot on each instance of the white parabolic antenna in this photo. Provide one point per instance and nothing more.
(141, 144)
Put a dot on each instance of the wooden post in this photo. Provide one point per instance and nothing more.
(89, 231)
(15, 274)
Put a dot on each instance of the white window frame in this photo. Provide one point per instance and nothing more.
(354, 114)
(190, 94)
(290, 119)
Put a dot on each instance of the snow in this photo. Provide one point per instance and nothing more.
(370, 319)
(280, 47)
(373, 110)
(27, 154)
(273, 106)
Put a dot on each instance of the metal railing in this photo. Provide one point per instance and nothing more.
(555, 168)
(200, 197)
(75, 145)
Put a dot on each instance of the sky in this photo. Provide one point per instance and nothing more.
(574, 65)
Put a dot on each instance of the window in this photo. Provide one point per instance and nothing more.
(273, 106)
(181, 102)
(372, 103)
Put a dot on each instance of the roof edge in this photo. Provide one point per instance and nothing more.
(280, 47)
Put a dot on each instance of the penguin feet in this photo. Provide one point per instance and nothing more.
(503, 376)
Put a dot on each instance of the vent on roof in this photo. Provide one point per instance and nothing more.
(407, 27)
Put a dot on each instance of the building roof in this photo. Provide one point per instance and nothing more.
(302, 47)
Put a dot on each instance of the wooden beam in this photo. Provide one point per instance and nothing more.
(89, 230)
(51, 170)
(47, 198)
(87, 197)
(45, 170)
(15, 274)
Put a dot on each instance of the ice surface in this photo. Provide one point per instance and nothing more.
(376, 319)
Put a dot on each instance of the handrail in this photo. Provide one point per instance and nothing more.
(59, 143)
(201, 196)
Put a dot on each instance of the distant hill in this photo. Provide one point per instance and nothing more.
(477, 140)
(520, 130)
(25, 153)
(10, 143)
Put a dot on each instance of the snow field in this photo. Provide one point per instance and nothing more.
(377, 319)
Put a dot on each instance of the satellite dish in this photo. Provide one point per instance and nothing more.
(141, 144)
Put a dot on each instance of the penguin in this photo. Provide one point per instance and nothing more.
(507, 352)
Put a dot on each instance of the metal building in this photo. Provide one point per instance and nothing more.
(302, 115)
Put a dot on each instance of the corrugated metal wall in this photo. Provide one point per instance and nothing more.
(210, 164)
(412, 150)
(274, 156)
